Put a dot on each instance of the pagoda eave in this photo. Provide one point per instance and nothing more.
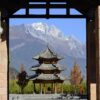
(48, 81)
(46, 67)
(40, 69)
(47, 77)
(44, 58)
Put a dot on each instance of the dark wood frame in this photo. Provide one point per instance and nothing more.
(89, 15)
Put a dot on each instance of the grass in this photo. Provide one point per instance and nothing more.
(29, 89)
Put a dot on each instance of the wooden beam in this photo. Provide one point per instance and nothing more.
(97, 52)
(62, 88)
(91, 49)
(47, 9)
(40, 88)
(46, 0)
(34, 88)
(50, 16)
(55, 87)
(56, 6)
(52, 88)
(44, 88)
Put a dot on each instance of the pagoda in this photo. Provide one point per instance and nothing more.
(47, 71)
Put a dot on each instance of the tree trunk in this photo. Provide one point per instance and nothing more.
(22, 90)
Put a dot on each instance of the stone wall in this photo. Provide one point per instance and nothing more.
(3, 70)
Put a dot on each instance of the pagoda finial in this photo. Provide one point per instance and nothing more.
(48, 46)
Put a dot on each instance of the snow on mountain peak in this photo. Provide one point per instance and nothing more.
(47, 29)
(43, 31)
(40, 26)
(49, 34)
(72, 38)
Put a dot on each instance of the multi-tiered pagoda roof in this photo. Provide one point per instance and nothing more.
(47, 54)
(46, 67)
(47, 70)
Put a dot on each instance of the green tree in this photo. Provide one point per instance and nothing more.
(21, 78)
(13, 87)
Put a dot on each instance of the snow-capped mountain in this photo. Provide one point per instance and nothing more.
(27, 40)
(44, 29)
(38, 30)
(51, 35)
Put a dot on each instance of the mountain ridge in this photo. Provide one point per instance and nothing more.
(27, 40)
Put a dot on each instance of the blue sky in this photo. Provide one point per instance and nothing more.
(73, 27)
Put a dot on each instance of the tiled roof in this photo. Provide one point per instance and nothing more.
(46, 67)
(48, 54)
(47, 77)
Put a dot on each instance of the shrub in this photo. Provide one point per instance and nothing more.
(13, 87)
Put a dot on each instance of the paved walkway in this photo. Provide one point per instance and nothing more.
(41, 97)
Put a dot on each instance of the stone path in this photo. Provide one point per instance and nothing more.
(41, 97)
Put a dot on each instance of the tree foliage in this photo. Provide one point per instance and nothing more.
(76, 77)
(21, 78)
(29, 89)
